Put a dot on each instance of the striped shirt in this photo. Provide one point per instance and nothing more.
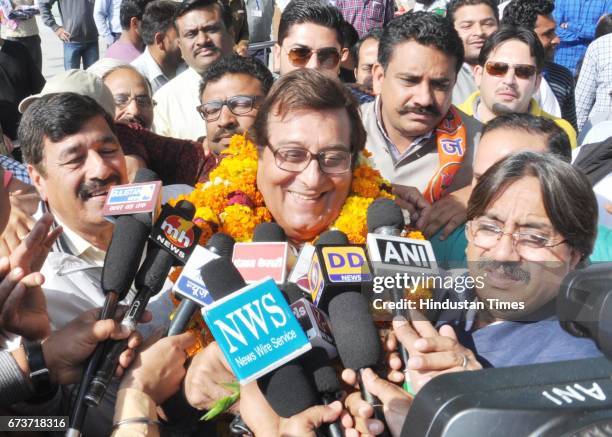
(366, 15)
(562, 84)
(594, 87)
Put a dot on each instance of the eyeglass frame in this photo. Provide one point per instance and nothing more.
(311, 155)
(314, 52)
(513, 235)
(135, 99)
(255, 102)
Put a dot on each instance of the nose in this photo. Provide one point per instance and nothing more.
(510, 77)
(313, 62)
(312, 176)
(203, 39)
(555, 41)
(478, 29)
(504, 250)
(226, 118)
(97, 167)
(132, 108)
(422, 95)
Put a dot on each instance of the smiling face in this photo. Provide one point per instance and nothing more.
(203, 37)
(77, 174)
(508, 92)
(304, 204)
(474, 24)
(527, 275)
(416, 90)
(127, 85)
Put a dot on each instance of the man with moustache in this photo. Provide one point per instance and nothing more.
(204, 35)
(132, 95)
(419, 141)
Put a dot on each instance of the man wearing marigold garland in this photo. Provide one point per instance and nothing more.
(418, 140)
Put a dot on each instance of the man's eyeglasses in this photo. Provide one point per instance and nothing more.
(522, 71)
(486, 234)
(296, 159)
(238, 105)
(142, 101)
(328, 57)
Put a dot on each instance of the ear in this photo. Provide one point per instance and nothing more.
(276, 51)
(575, 258)
(38, 181)
(134, 23)
(537, 82)
(478, 75)
(378, 76)
(158, 41)
(344, 55)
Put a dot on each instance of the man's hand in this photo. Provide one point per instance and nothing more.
(67, 350)
(396, 403)
(431, 352)
(447, 214)
(205, 379)
(308, 421)
(23, 206)
(32, 251)
(62, 34)
(160, 367)
(411, 199)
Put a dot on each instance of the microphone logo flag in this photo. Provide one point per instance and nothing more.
(190, 284)
(175, 234)
(132, 199)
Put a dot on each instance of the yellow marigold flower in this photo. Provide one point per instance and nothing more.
(417, 235)
(239, 222)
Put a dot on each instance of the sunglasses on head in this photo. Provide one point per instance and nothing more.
(522, 71)
(328, 57)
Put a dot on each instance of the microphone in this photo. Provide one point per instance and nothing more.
(265, 256)
(176, 224)
(326, 382)
(337, 267)
(385, 217)
(357, 340)
(219, 244)
(120, 265)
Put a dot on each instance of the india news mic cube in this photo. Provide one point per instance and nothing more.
(256, 330)
(175, 234)
(336, 269)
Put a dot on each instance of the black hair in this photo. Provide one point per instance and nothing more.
(425, 28)
(157, 18)
(189, 5)
(55, 116)
(604, 26)
(525, 12)
(375, 33)
(454, 5)
(557, 140)
(567, 194)
(507, 33)
(235, 64)
(131, 9)
(310, 11)
(349, 35)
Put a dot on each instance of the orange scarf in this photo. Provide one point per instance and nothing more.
(451, 139)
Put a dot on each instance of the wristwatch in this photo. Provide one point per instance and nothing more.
(39, 373)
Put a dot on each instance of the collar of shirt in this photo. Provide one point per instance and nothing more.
(393, 150)
(154, 72)
(80, 247)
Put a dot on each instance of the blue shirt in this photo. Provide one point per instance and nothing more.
(581, 17)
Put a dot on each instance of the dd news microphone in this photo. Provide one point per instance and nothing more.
(175, 236)
(121, 262)
(357, 341)
(220, 245)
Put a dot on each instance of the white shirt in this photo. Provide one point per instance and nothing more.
(547, 99)
(175, 113)
(149, 68)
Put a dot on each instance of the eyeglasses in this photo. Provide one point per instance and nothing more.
(328, 57)
(143, 101)
(296, 159)
(486, 234)
(522, 71)
(238, 105)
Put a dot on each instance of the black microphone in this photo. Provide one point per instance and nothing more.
(220, 244)
(149, 281)
(357, 340)
(121, 262)
(316, 363)
(332, 237)
(222, 278)
(269, 232)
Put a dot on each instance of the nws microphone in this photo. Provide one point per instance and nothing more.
(121, 262)
(265, 256)
(337, 267)
(177, 226)
(219, 244)
(357, 341)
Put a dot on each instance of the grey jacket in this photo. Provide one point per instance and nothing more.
(77, 18)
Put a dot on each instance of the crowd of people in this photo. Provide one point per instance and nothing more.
(491, 122)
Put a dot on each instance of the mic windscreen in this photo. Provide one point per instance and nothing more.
(384, 212)
(288, 389)
(292, 292)
(186, 209)
(353, 330)
(221, 278)
(332, 237)
(124, 254)
(221, 244)
(145, 175)
(269, 232)
(316, 362)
